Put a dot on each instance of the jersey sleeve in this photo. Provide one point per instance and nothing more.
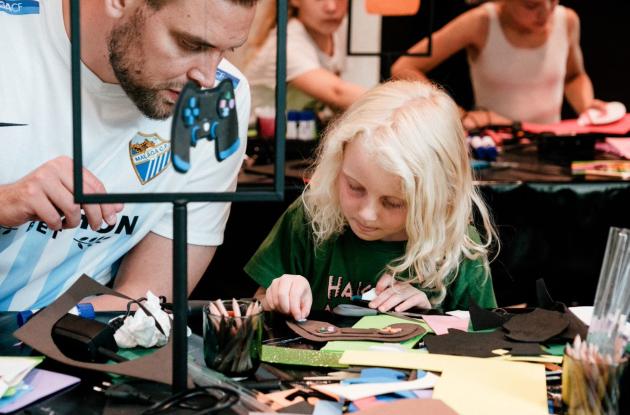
(286, 250)
(207, 220)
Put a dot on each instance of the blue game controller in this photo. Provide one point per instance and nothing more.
(204, 113)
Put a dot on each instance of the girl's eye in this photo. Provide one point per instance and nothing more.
(354, 188)
(393, 205)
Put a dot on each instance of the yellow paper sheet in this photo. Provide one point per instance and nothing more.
(405, 360)
(535, 359)
(498, 388)
(472, 385)
(545, 358)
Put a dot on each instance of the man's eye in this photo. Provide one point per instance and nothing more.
(192, 46)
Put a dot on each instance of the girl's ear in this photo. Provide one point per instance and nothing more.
(295, 3)
(117, 8)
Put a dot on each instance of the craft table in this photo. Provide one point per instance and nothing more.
(551, 224)
(83, 399)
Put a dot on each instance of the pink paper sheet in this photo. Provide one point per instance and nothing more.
(441, 324)
(620, 146)
(571, 127)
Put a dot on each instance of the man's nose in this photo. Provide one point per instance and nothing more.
(204, 70)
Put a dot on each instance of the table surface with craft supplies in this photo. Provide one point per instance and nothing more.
(513, 360)
(563, 152)
(552, 222)
(355, 359)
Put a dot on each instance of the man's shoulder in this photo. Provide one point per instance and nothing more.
(227, 70)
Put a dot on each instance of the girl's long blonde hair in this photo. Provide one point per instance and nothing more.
(412, 130)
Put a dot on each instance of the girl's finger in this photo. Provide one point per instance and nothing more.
(381, 298)
(419, 300)
(295, 300)
(383, 283)
(307, 302)
(283, 295)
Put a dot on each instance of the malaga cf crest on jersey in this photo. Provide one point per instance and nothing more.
(150, 155)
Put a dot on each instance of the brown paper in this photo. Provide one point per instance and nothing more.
(37, 333)
(316, 331)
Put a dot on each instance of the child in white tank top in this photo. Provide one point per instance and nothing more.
(524, 55)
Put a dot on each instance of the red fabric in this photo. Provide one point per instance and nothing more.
(571, 127)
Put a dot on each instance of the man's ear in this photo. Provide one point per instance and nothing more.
(118, 8)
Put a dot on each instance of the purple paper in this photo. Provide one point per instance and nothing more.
(42, 383)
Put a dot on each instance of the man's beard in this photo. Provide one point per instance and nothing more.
(128, 70)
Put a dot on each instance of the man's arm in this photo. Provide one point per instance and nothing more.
(46, 194)
(149, 266)
(468, 30)
(328, 88)
(577, 85)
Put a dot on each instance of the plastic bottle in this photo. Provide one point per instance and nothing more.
(293, 118)
(307, 127)
(85, 310)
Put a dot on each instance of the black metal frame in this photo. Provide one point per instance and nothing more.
(393, 53)
(179, 200)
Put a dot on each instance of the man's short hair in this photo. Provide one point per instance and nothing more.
(157, 4)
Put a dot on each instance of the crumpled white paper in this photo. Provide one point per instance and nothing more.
(140, 329)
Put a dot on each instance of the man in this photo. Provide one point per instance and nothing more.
(137, 55)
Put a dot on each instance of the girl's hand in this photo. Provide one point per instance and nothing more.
(398, 295)
(289, 294)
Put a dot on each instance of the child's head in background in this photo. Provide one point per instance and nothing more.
(395, 166)
(528, 16)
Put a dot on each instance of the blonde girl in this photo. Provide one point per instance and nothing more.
(390, 205)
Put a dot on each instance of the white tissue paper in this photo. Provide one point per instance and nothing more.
(140, 329)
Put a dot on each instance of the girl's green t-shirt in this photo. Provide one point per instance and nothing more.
(346, 265)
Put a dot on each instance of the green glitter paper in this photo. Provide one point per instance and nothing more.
(301, 357)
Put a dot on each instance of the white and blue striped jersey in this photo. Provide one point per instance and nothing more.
(128, 152)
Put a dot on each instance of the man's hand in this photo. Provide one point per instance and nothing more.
(289, 294)
(398, 295)
(46, 194)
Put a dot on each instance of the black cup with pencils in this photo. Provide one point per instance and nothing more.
(232, 336)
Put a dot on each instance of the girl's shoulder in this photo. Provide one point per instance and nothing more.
(296, 28)
(296, 210)
(473, 233)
